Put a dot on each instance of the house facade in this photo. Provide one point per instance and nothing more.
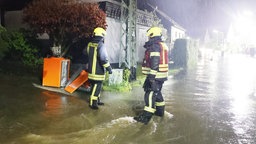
(13, 19)
(174, 30)
(177, 32)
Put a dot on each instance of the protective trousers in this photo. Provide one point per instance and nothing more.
(154, 102)
(95, 93)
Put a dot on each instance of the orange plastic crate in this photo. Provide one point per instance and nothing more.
(80, 80)
(55, 71)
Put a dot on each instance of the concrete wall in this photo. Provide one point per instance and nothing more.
(141, 39)
(113, 38)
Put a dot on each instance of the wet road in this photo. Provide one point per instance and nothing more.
(214, 103)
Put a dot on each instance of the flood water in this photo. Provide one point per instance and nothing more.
(213, 103)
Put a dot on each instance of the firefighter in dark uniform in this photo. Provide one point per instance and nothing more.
(97, 65)
(155, 66)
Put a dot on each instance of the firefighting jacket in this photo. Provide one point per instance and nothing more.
(97, 59)
(155, 62)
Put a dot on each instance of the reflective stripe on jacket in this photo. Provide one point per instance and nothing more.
(155, 62)
(97, 59)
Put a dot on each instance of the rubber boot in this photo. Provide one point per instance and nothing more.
(94, 105)
(159, 111)
(99, 102)
(144, 117)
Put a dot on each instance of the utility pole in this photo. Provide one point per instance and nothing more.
(128, 54)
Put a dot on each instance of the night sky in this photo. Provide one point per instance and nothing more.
(198, 15)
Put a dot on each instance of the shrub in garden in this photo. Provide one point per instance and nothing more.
(3, 44)
(19, 49)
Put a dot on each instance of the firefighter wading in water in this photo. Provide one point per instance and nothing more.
(97, 65)
(155, 66)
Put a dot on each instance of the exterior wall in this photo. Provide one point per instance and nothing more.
(140, 41)
(13, 19)
(113, 11)
(112, 40)
(176, 33)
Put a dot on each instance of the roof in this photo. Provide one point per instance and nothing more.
(164, 15)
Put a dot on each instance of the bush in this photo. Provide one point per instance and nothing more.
(3, 44)
(18, 49)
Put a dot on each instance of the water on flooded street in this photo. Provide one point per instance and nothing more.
(214, 103)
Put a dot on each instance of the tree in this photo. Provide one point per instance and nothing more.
(65, 21)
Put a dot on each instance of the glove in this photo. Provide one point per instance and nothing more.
(153, 85)
(109, 69)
